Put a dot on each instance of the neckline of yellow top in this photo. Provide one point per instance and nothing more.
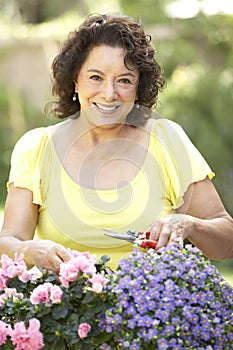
(123, 188)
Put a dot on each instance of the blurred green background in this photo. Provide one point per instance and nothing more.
(193, 40)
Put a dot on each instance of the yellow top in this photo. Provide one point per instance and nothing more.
(74, 216)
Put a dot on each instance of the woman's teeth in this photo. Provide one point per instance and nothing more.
(105, 108)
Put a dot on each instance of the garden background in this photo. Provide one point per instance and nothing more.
(193, 39)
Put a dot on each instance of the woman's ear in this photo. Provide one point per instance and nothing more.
(76, 86)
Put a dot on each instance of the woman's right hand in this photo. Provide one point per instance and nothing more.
(46, 254)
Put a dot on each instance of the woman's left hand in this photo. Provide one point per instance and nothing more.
(202, 219)
(169, 228)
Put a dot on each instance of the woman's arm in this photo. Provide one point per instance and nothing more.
(202, 219)
(20, 219)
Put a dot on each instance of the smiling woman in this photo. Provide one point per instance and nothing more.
(110, 164)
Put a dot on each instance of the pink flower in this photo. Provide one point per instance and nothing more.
(4, 332)
(12, 292)
(91, 257)
(3, 280)
(27, 339)
(83, 330)
(12, 268)
(69, 271)
(25, 276)
(98, 282)
(9, 293)
(41, 293)
(32, 275)
(35, 273)
(82, 263)
(46, 292)
(56, 294)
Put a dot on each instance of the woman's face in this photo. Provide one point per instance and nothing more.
(107, 90)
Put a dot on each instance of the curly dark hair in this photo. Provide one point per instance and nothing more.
(115, 30)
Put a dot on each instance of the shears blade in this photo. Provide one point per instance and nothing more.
(139, 238)
(127, 236)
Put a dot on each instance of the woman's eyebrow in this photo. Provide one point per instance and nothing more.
(120, 75)
(126, 74)
(94, 71)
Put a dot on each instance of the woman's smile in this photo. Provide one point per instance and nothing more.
(106, 108)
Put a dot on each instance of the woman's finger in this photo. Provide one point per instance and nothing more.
(175, 236)
(63, 253)
(164, 236)
(154, 230)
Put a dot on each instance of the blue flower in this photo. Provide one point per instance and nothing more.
(162, 344)
(134, 346)
(173, 300)
(131, 323)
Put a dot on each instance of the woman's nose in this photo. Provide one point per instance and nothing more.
(109, 91)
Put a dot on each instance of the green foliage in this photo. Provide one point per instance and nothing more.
(5, 141)
(225, 268)
(148, 12)
(17, 115)
(199, 91)
(38, 11)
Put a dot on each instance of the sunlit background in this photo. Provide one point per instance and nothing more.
(191, 8)
(193, 40)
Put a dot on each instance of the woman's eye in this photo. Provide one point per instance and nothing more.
(95, 77)
(125, 81)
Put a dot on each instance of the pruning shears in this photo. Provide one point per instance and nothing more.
(136, 237)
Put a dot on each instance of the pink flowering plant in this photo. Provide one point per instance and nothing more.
(45, 310)
(174, 300)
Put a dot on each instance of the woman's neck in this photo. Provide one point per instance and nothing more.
(94, 135)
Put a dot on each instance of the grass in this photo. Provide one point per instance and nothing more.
(224, 267)
(1, 216)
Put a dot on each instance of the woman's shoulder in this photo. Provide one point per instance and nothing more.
(32, 141)
(168, 131)
(34, 137)
(165, 125)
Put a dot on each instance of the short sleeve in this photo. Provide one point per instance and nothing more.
(25, 162)
(184, 164)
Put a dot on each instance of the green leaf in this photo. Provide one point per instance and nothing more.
(90, 296)
(104, 259)
(104, 338)
(57, 344)
(59, 312)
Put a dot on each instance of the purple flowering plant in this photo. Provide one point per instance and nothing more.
(175, 299)
(172, 300)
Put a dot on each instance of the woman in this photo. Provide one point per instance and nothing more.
(109, 165)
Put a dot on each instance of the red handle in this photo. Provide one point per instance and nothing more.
(147, 233)
(149, 244)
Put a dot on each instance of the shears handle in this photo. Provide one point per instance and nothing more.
(146, 234)
(148, 244)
